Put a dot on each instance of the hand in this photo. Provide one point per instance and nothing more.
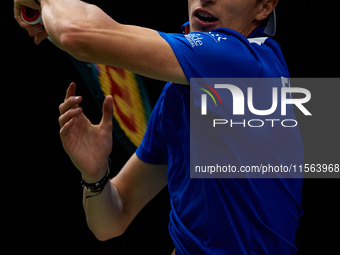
(87, 145)
(37, 31)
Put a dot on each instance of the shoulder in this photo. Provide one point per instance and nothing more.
(269, 54)
(226, 53)
(197, 40)
(207, 54)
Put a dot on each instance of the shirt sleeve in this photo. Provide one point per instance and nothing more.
(150, 150)
(212, 54)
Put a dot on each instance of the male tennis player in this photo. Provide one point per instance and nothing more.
(208, 216)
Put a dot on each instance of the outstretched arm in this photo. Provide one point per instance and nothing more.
(88, 145)
(89, 34)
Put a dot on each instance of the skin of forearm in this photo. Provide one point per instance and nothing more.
(59, 16)
(89, 34)
(104, 212)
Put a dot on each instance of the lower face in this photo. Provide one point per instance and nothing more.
(207, 15)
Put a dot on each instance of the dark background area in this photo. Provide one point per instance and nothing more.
(42, 199)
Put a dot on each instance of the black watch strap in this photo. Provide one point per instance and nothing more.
(98, 186)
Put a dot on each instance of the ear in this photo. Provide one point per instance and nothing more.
(266, 7)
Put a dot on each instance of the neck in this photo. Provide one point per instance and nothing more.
(246, 32)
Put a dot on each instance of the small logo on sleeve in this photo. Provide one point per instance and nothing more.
(194, 39)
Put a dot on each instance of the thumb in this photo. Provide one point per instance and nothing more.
(107, 112)
(40, 37)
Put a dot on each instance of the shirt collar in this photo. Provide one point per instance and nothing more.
(185, 28)
(258, 32)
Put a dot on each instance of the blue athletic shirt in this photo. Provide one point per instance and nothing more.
(222, 216)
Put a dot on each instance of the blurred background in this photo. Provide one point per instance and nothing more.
(42, 199)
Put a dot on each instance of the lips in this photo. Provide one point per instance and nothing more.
(205, 16)
(203, 21)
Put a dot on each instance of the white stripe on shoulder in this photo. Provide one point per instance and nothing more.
(258, 40)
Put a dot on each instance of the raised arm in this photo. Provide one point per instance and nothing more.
(89, 34)
(109, 213)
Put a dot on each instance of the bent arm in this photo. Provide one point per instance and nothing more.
(89, 34)
(110, 213)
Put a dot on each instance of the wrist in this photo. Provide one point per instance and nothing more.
(96, 187)
(93, 175)
(94, 178)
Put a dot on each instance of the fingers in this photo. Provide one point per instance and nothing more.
(71, 102)
(18, 5)
(69, 108)
(37, 30)
(69, 115)
(66, 128)
(71, 91)
(106, 121)
(40, 37)
(34, 30)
